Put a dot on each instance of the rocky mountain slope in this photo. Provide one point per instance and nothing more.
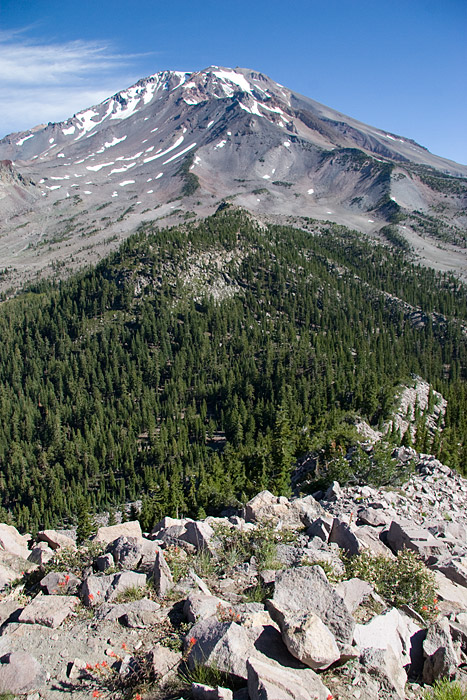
(314, 597)
(175, 144)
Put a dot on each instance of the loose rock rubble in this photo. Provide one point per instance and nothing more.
(138, 614)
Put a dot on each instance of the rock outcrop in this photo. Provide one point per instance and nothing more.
(157, 608)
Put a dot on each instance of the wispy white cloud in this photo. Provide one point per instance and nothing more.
(41, 82)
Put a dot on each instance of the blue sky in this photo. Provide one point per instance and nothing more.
(400, 66)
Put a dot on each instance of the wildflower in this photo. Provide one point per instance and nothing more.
(330, 697)
(96, 694)
(112, 653)
(435, 600)
(67, 578)
(104, 664)
(88, 667)
(424, 607)
(137, 697)
(192, 641)
(90, 596)
(96, 666)
(123, 645)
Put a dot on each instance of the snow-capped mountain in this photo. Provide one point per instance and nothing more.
(176, 144)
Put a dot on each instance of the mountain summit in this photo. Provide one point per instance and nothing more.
(177, 143)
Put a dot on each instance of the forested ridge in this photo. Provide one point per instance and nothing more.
(193, 366)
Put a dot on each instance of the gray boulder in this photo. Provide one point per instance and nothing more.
(14, 543)
(391, 629)
(99, 589)
(60, 583)
(162, 576)
(222, 645)
(112, 532)
(406, 535)
(307, 589)
(55, 540)
(452, 596)
(343, 535)
(354, 592)
(41, 554)
(164, 662)
(50, 611)
(384, 665)
(166, 523)
(268, 681)
(442, 656)
(306, 637)
(276, 509)
(373, 517)
(454, 568)
(334, 492)
(20, 673)
(199, 606)
(104, 562)
(321, 527)
(126, 551)
(200, 535)
(200, 691)
(140, 614)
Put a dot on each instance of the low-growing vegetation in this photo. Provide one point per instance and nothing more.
(402, 581)
(445, 690)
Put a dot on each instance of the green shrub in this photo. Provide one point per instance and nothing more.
(405, 580)
(75, 560)
(238, 546)
(133, 593)
(445, 690)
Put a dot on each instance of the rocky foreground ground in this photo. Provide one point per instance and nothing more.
(354, 593)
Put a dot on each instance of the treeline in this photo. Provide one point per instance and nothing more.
(192, 367)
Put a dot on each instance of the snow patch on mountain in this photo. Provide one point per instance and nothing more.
(160, 155)
(185, 150)
(21, 141)
(233, 77)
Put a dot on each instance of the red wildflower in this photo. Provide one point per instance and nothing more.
(192, 641)
(90, 596)
(123, 645)
(96, 694)
(88, 667)
(67, 578)
(330, 697)
(104, 664)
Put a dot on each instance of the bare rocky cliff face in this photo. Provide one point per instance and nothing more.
(357, 592)
(176, 144)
